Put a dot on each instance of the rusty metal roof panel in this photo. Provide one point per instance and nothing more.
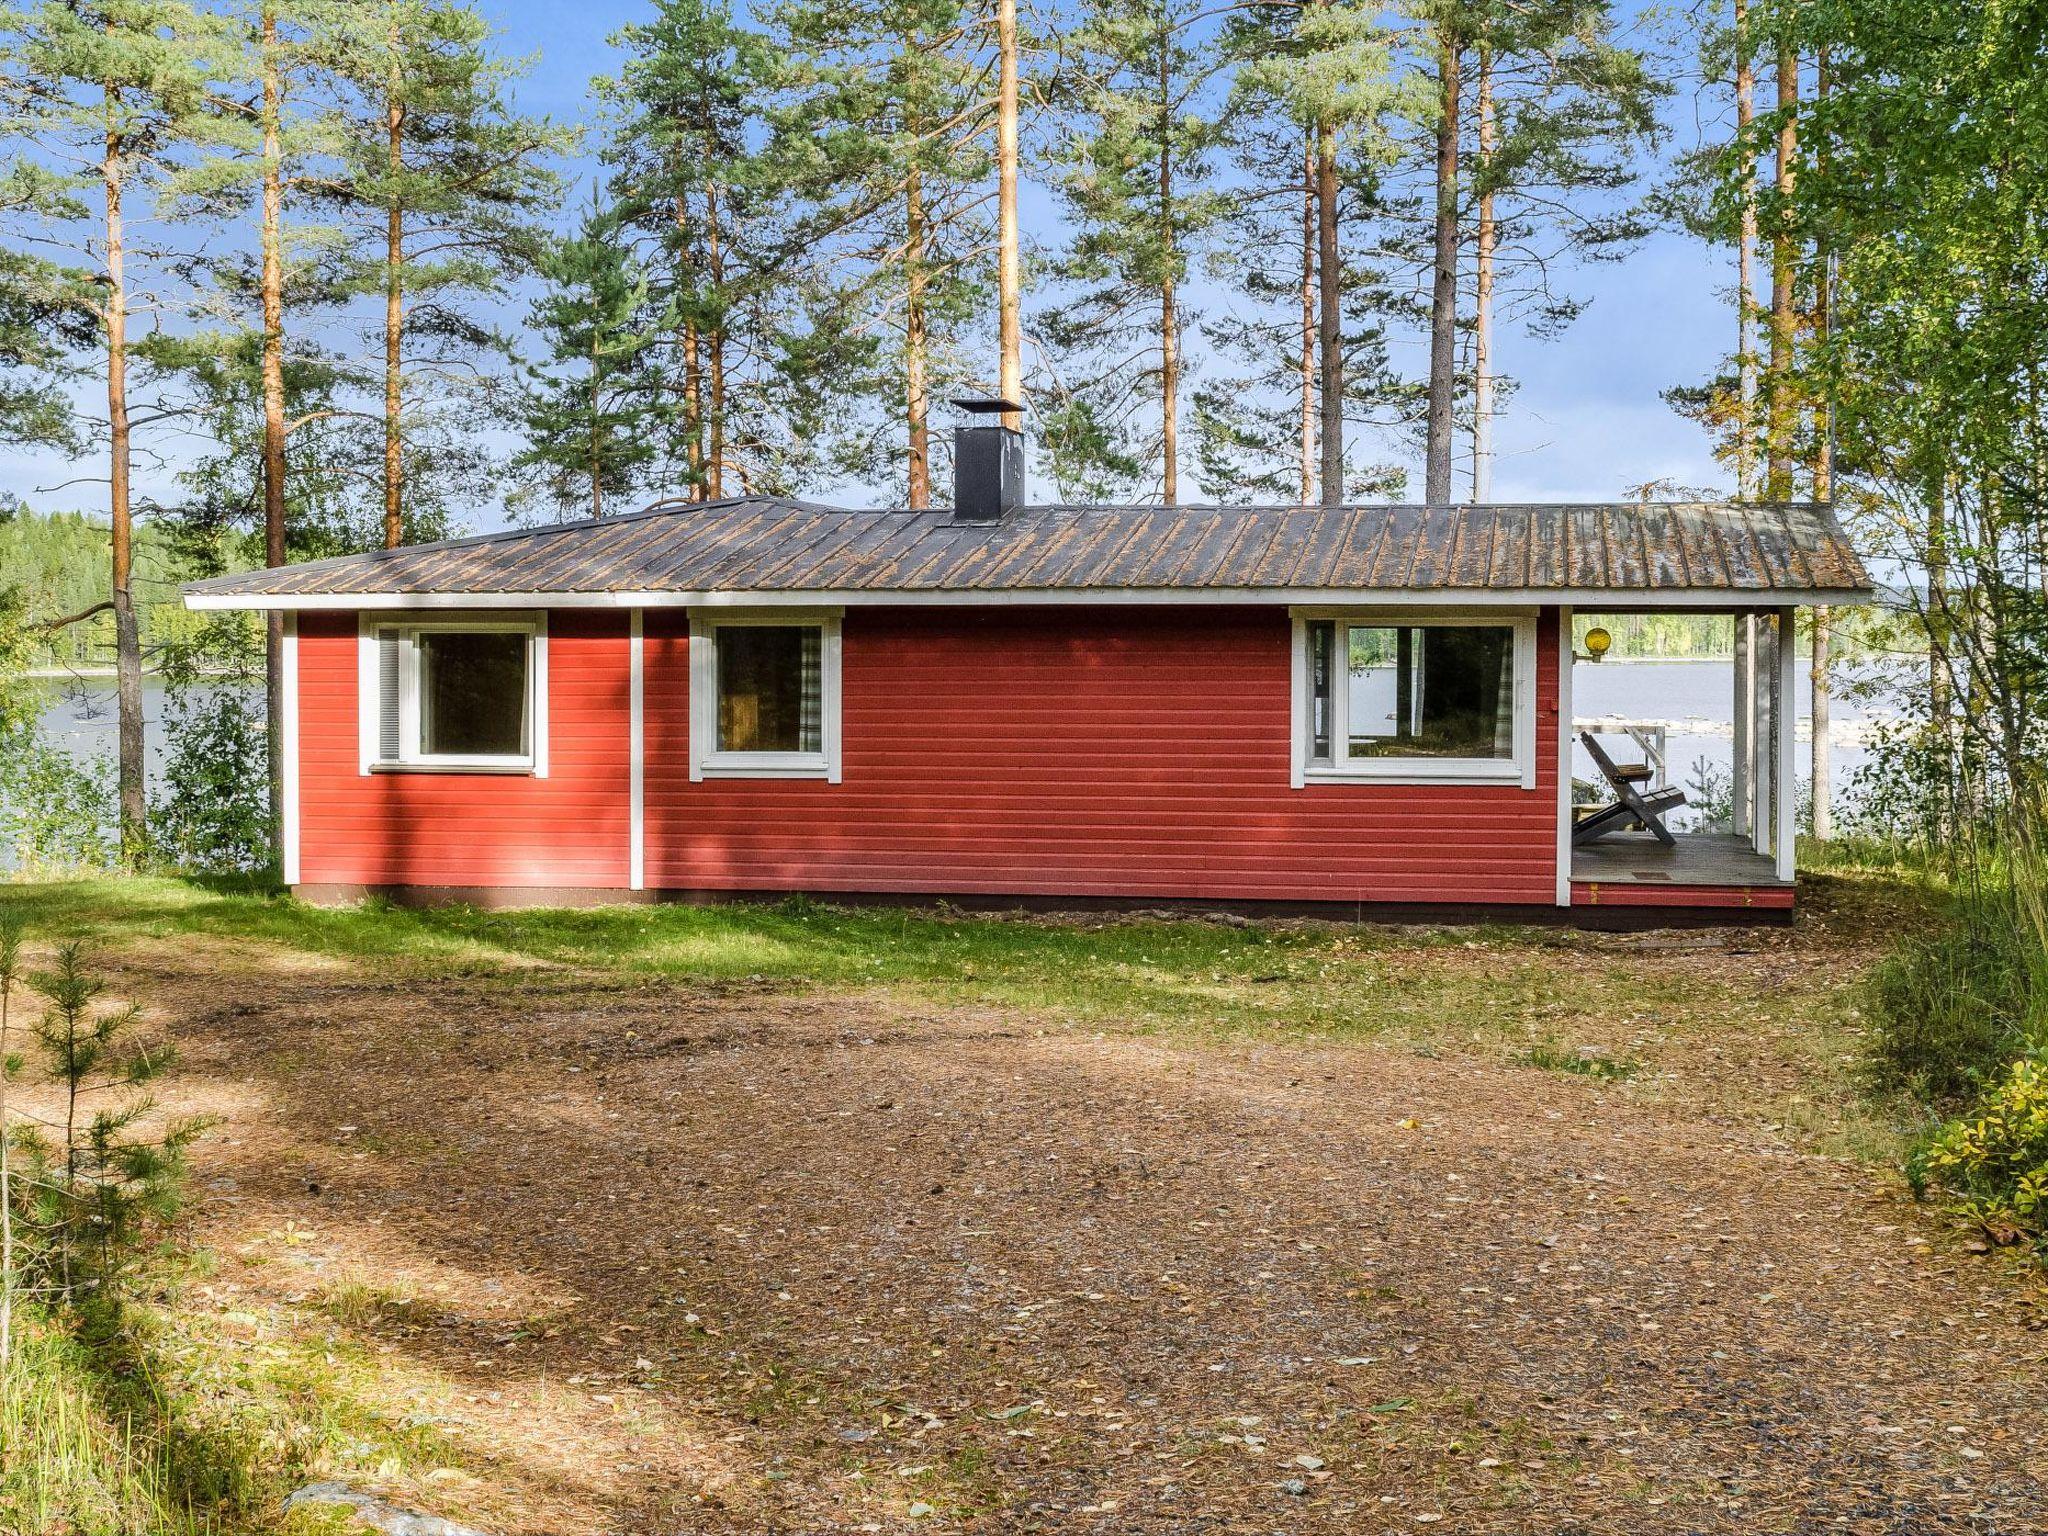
(762, 544)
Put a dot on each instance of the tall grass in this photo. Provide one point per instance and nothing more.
(71, 1460)
(1955, 1007)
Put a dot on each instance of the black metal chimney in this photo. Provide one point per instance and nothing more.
(988, 463)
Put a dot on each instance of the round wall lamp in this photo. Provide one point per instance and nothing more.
(1598, 643)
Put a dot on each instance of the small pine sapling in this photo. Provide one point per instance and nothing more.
(101, 1172)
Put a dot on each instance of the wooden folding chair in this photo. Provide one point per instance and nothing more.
(1632, 807)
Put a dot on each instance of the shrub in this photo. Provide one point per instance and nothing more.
(1993, 1162)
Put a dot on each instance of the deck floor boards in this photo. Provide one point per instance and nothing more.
(1701, 858)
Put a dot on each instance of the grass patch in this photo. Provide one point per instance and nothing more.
(1581, 1063)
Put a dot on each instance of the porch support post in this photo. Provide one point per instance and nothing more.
(1762, 781)
(1565, 658)
(1785, 742)
(1741, 779)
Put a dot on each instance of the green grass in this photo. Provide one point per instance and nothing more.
(1323, 978)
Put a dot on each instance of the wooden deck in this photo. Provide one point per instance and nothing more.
(1701, 858)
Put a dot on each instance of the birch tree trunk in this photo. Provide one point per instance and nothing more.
(1745, 262)
(1443, 302)
(127, 637)
(1009, 259)
(1308, 324)
(1329, 316)
(1482, 322)
(1782, 407)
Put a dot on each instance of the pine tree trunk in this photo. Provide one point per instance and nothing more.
(1745, 262)
(1783, 409)
(596, 411)
(916, 387)
(394, 306)
(1308, 323)
(1329, 316)
(1009, 256)
(1443, 302)
(127, 636)
(1482, 326)
(1169, 313)
(271, 289)
(693, 379)
(715, 353)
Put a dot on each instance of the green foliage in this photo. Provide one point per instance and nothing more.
(212, 810)
(97, 1178)
(595, 413)
(57, 562)
(55, 810)
(1993, 1162)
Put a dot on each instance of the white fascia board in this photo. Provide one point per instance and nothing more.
(1603, 600)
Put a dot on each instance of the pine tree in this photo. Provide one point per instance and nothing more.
(1137, 187)
(105, 97)
(763, 338)
(882, 139)
(444, 183)
(595, 411)
(1311, 103)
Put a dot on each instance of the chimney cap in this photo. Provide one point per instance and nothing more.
(982, 405)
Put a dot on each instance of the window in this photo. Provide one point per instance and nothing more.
(765, 695)
(1400, 698)
(462, 695)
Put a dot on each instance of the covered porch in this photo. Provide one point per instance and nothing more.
(1736, 852)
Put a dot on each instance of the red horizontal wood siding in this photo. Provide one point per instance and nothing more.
(1134, 752)
(469, 829)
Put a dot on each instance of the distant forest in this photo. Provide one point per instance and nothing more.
(60, 562)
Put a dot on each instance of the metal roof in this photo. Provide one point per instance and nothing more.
(1785, 553)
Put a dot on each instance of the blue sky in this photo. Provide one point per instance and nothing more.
(1586, 421)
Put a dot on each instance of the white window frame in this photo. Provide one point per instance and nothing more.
(1518, 769)
(410, 758)
(706, 761)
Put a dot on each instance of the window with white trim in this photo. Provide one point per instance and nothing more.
(1393, 696)
(458, 695)
(764, 695)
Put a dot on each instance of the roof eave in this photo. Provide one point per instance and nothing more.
(1606, 598)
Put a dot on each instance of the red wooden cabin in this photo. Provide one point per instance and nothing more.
(1350, 709)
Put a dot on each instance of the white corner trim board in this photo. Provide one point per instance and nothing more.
(636, 756)
(1567, 654)
(289, 746)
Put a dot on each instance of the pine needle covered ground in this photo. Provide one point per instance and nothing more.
(794, 1219)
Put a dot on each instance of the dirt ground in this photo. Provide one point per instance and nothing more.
(661, 1259)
